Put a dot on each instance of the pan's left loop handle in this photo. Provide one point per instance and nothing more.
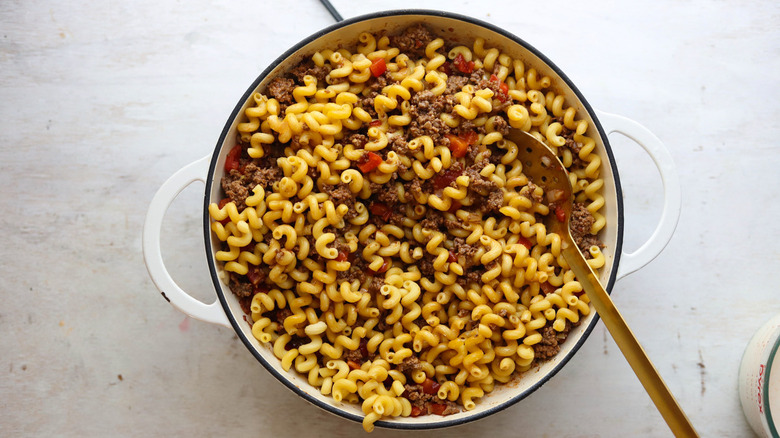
(213, 313)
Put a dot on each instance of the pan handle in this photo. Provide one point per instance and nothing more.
(631, 262)
(180, 299)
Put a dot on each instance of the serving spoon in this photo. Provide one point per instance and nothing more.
(542, 166)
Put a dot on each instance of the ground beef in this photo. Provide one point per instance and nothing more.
(389, 195)
(281, 89)
(548, 346)
(455, 84)
(281, 314)
(382, 325)
(581, 222)
(433, 219)
(451, 408)
(418, 398)
(586, 242)
(308, 68)
(313, 173)
(357, 140)
(350, 275)
(529, 191)
(492, 196)
(257, 274)
(375, 284)
(493, 86)
(568, 136)
(376, 84)
(551, 341)
(453, 224)
(263, 176)
(493, 202)
(411, 363)
(415, 393)
(477, 76)
(367, 104)
(241, 288)
(399, 145)
(581, 219)
(569, 142)
(234, 184)
(340, 194)
(572, 145)
(426, 267)
(475, 275)
(413, 41)
(353, 355)
(461, 248)
(425, 109)
(476, 183)
(501, 125)
(414, 188)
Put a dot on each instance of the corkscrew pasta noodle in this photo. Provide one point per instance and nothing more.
(379, 230)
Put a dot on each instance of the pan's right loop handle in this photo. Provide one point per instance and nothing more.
(180, 299)
(631, 262)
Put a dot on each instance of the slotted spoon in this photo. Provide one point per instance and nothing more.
(542, 166)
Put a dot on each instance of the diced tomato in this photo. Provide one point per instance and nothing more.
(445, 178)
(463, 65)
(353, 365)
(254, 275)
(369, 161)
(438, 408)
(525, 242)
(455, 206)
(447, 68)
(416, 412)
(547, 288)
(458, 146)
(261, 288)
(452, 257)
(232, 161)
(378, 67)
(430, 386)
(375, 123)
(503, 88)
(381, 210)
(560, 214)
(470, 137)
(343, 256)
(295, 342)
(363, 347)
(222, 203)
(385, 266)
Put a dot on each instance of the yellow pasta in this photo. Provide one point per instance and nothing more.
(379, 230)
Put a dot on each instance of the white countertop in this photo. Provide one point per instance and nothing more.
(101, 101)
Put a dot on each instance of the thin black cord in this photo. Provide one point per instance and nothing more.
(332, 10)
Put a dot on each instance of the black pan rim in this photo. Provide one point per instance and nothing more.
(235, 323)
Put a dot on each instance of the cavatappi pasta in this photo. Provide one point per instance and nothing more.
(381, 234)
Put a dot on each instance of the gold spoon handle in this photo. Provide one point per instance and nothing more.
(634, 353)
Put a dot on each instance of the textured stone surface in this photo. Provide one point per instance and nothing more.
(101, 102)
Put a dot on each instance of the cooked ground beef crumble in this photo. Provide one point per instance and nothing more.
(391, 204)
